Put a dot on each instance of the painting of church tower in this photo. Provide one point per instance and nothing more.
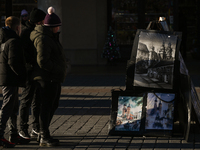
(124, 111)
(169, 52)
(153, 57)
(162, 52)
(160, 108)
(128, 111)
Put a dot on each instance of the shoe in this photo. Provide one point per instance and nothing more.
(24, 134)
(6, 144)
(15, 138)
(55, 141)
(47, 142)
(34, 133)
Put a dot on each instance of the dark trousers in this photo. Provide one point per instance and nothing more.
(30, 98)
(9, 109)
(50, 96)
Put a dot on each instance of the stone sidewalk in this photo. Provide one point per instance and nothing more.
(81, 121)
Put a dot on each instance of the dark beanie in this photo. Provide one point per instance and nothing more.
(37, 15)
(51, 19)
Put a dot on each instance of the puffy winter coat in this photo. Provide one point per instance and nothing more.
(51, 59)
(29, 49)
(12, 63)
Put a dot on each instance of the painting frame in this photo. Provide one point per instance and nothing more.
(167, 78)
(112, 129)
(161, 123)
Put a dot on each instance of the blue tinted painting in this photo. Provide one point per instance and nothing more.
(129, 113)
(160, 111)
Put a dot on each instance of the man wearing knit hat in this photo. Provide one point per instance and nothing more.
(30, 95)
(49, 72)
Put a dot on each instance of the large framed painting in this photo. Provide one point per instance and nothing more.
(155, 60)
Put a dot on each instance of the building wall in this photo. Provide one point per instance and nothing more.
(84, 28)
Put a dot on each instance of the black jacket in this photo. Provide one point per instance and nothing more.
(12, 63)
(29, 49)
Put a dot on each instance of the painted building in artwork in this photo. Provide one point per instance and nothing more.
(128, 111)
(161, 64)
(162, 53)
(142, 52)
(124, 111)
(153, 57)
(169, 52)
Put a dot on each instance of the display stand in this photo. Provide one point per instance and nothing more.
(151, 78)
(156, 73)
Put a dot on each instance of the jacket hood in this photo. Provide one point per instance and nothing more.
(6, 33)
(40, 30)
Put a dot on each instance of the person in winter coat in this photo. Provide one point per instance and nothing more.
(12, 76)
(49, 72)
(30, 95)
(24, 18)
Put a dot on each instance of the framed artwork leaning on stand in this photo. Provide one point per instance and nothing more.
(154, 60)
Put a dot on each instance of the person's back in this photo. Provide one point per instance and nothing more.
(12, 64)
(12, 76)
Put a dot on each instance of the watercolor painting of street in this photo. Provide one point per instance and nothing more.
(129, 113)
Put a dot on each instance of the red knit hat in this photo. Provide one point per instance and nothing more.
(51, 19)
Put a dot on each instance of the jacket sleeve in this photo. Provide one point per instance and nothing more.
(16, 58)
(44, 60)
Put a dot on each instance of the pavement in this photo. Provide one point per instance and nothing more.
(81, 121)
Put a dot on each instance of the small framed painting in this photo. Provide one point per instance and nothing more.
(129, 113)
(159, 112)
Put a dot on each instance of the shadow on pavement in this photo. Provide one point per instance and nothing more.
(94, 80)
(84, 107)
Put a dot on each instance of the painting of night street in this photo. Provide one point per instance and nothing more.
(159, 113)
(155, 60)
(129, 113)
